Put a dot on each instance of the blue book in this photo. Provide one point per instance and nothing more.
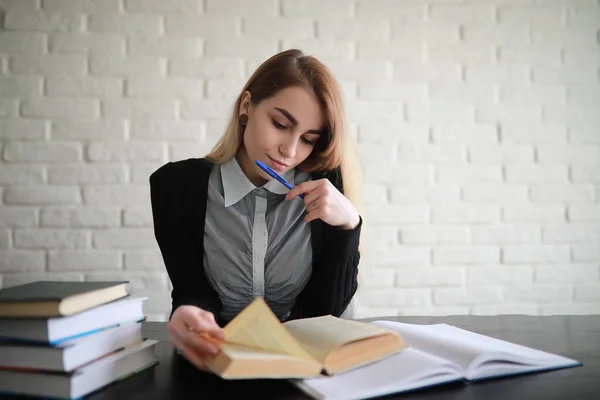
(58, 329)
(69, 354)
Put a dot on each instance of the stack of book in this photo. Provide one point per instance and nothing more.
(68, 339)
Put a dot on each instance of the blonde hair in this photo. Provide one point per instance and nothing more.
(336, 149)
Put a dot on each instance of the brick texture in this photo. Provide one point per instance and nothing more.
(478, 126)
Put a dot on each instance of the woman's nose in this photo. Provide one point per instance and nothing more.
(288, 148)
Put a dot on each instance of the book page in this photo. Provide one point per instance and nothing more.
(243, 362)
(501, 367)
(428, 338)
(321, 335)
(499, 357)
(257, 327)
(478, 355)
(406, 370)
(236, 351)
(485, 343)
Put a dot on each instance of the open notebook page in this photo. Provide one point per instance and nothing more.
(499, 357)
(430, 339)
(407, 370)
(481, 356)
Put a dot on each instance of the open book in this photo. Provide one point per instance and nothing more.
(258, 345)
(435, 354)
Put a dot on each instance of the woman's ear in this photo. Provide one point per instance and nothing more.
(245, 103)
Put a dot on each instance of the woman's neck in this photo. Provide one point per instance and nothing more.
(248, 168)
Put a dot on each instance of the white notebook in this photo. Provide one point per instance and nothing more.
(436, 354)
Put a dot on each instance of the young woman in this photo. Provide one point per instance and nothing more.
(228, 233)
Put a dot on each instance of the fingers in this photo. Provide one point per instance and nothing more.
(193, 339)
(296, 191)
(311, 216)
(205, 322)
(311, 200)
(316, 203)
(316, 200)
(186, 328)
(304, 188)
(189, 353)
(319, 208)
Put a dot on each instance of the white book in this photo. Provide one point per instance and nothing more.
(57, 329)
(436, 354)
(69, 354)
(84, 380)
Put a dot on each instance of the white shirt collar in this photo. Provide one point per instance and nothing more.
(236, 184)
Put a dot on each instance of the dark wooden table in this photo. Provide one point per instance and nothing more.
(577, 337)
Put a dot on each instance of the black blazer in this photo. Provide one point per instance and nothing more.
(178, 192)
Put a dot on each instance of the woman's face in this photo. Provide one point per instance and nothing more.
(281, 132)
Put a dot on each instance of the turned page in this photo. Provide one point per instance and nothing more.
(321, 335)
(479, 355)
(432, 339)
(499, 357)
(257, 327)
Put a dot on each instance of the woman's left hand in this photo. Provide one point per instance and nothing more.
(324, 201)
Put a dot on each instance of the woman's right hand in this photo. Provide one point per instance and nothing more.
(185, 327)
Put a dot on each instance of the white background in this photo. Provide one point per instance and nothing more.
(478, 124)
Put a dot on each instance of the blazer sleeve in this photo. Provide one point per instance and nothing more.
(334, 278)
(180, 242)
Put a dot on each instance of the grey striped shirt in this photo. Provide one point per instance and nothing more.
(255, 242)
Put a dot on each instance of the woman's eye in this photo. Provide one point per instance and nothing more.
(278, 125)
(307, 141)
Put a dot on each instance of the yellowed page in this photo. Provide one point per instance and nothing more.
(321, 335)
(236, 351)
(256, 326)
(243, 362)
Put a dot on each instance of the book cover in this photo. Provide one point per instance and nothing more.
(54, 298)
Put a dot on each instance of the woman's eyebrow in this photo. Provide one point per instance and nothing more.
(294, 121)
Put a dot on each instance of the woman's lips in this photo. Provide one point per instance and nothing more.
(277, 165)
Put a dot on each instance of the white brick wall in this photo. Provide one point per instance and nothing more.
(478, 125)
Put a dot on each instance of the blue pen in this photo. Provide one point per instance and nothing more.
(275, 175)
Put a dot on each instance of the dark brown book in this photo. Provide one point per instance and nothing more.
(57, 299)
